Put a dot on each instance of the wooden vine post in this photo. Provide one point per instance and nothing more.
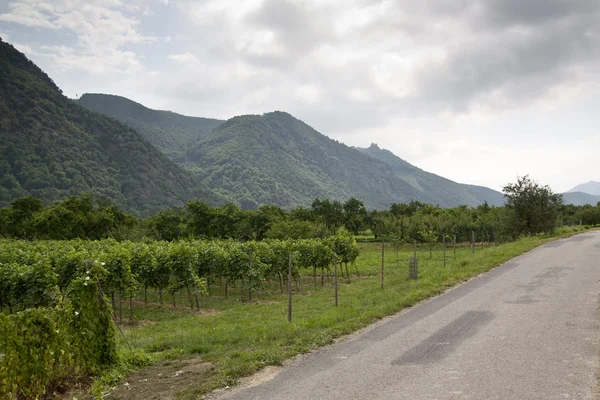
(250, 280)
(289, 288)
(335, 281)
(444, 244)
(382, 262)
(454, 247)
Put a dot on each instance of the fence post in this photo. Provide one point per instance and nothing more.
(382, 262)
(473, 242)
(335, 282)
(413, 265)
(482, 240)
(250, 280)
(454, 246)
(444, 244)
(289, 287)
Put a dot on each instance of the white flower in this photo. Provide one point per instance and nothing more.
(103, 263)
(57, 331)
(76, 313)
(87, 278)
(84, 284)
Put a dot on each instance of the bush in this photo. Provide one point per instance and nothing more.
(36, 352)
(44, 347)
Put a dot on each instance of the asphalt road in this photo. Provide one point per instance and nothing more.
(528, 329)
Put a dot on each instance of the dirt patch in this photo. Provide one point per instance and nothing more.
(262, 376)
(207, 312)
(78, 388)
(162, 381)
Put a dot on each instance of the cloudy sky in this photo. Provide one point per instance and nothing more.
(478, 91)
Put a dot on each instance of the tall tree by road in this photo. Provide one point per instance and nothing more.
(532, 208)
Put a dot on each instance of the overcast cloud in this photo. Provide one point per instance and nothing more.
(476, 91)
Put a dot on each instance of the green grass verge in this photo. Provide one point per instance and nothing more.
(240, 338)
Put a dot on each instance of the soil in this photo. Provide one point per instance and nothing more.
(161, 381)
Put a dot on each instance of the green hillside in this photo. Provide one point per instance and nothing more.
(434, 188)
(580, 198)
(170, 132)
(51, 147)
(275, 158)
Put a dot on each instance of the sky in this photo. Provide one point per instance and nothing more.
(478, 91)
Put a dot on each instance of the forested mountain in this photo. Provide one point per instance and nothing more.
(170, 132)
(51, 147)
(580, 199)
(275, 158)
(433, 188)
(590, 188)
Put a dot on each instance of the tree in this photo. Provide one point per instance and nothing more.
(354, 215)
(200, 216)
(381, 223)
(260, 221)
(167, 224)
(21, 215)
(292, 229)
(331, 213)
(533, 208)
(302, 214)
(227, 221)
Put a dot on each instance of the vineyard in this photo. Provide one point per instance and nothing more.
(80, 308)
(58, 296)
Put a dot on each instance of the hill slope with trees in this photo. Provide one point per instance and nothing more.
(580, 199)
(434, 188)
(278, 159)
(170, 132)
(52, 148)
(275, 158)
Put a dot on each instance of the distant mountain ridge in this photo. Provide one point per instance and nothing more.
(275, 158)
(580, 198)
(590, 187)
(434, 188)
(52, 148)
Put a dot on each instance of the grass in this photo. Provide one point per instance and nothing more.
(239, 338)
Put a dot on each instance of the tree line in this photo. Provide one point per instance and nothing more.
(530, 209)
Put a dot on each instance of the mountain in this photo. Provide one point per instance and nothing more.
(51, 147)
(580, 199)
(590, 188)
(275, 158)
(170, 132)
(434, 188)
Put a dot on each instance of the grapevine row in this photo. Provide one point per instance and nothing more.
(36, 274)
